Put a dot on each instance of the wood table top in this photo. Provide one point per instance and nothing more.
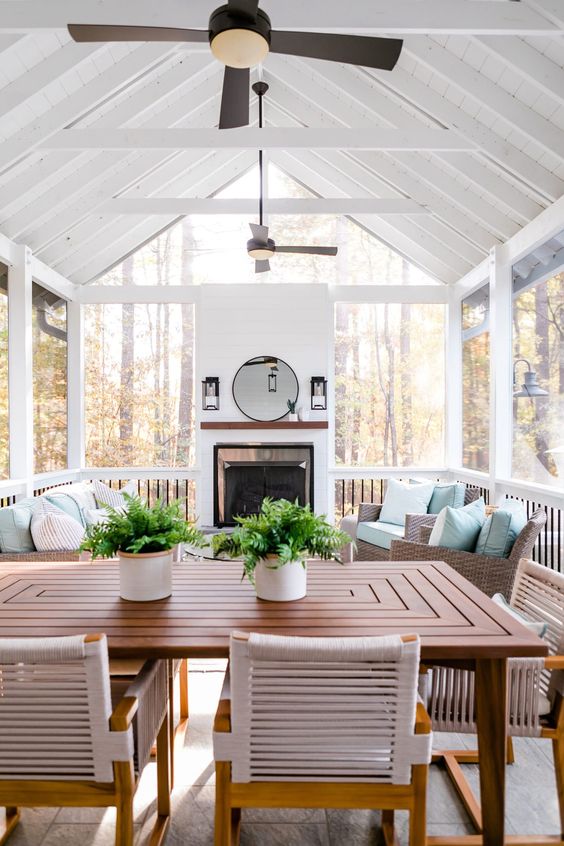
(455, 620)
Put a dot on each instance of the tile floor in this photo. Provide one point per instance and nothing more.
(531, 799)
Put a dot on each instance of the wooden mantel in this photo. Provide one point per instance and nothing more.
(276, 424)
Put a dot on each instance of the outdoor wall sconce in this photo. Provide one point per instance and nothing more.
(318, 393)
(530, 387)
(210, 393)
(272, 379)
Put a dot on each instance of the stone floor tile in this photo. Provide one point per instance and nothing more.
(286, 834)
(33, 826)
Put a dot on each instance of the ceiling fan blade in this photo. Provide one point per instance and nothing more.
(260, 233)
(262, 266)
(244, 7)
(103, 32)
(362, 50)
(312, 251)
(235, 98)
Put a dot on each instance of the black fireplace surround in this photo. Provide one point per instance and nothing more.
(245, 473)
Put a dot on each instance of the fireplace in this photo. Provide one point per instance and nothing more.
(245, 473)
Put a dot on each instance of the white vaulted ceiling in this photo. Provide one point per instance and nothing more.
(488, 73)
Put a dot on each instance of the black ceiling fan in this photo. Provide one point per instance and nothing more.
(240, 36)
(260, 247)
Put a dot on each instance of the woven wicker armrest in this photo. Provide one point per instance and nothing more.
(424, 534)
(490, 575)
(369, 512)
(39, 556)
(145, 701)
(414, 523)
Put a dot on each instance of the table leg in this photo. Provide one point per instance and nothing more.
(491, 718)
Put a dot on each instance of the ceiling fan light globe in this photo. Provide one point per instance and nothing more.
(260, 253)
(239, 48)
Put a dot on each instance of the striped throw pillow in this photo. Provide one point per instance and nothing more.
(107, 496)
(54, 531)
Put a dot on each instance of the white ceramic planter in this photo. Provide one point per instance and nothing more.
(280, 584)
(145, 576)
(293, 418)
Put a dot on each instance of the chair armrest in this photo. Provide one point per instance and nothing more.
(425, 534)
(423, 723)
(415, 522)
(369, 512)
(554, 662)
(222, 721)
(144, 705)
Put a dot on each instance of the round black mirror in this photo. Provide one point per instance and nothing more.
(262, 387)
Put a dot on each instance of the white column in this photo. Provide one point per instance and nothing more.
(75, 391)
(453, 381)
(501, 379)
(20, 366)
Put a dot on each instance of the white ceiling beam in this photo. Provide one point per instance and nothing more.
(98, 89)
(51, 280)
(537, 68)
(7, 250)
(253, 138)
(111, 252)
(463, 209)
(501, 152)
(550, 9)
(130, 172)
(71, 192)
(186, 172)
(401, 16)
(487, 93)
(65, 58)
(399, 233)
(272, 205)
(188, 77)
(365, 95)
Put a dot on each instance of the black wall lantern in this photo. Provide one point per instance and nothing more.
(318, 393)
(210, 393)
(272, 379)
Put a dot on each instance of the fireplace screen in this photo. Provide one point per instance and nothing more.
(245, 473)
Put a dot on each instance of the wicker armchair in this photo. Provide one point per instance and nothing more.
(491, 575)
(369, 512)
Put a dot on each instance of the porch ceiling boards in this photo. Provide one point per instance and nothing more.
(469, 127)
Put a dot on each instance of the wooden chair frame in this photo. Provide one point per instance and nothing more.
(231, 797)
(552, 729)
(119, 793)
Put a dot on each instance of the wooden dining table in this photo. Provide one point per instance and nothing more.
(458, 625)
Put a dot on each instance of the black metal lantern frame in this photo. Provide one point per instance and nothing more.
(318, 393)
(210, 393)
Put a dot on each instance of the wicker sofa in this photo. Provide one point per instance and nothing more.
(369, 512)
(490, 574)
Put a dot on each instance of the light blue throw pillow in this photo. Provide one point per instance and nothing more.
(458, 528)
(15, 522)
(500, 530)
(66, 504)
(402, 499)
(443, 495)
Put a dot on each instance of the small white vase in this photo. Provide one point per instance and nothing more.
(293, 418)
(280, 584)
(145, 576)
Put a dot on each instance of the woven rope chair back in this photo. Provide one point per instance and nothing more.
(324, 709)
(55, 706)
(538, 593)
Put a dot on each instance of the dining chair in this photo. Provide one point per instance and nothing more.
(535, 688)
(321, 723)
(62, 743)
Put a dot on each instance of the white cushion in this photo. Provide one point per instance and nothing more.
(54, 531)
(537, 627)
(107, 496)
(379, 533)
(92, 516)
(402, 499)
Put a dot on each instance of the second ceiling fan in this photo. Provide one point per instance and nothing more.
(260, 247)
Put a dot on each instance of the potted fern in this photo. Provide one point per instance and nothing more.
(275, 545)
(143, 537)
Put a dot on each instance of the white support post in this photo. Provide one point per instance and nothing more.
(75, 393)
(20, 366)
(501, 398)
(453, 380)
